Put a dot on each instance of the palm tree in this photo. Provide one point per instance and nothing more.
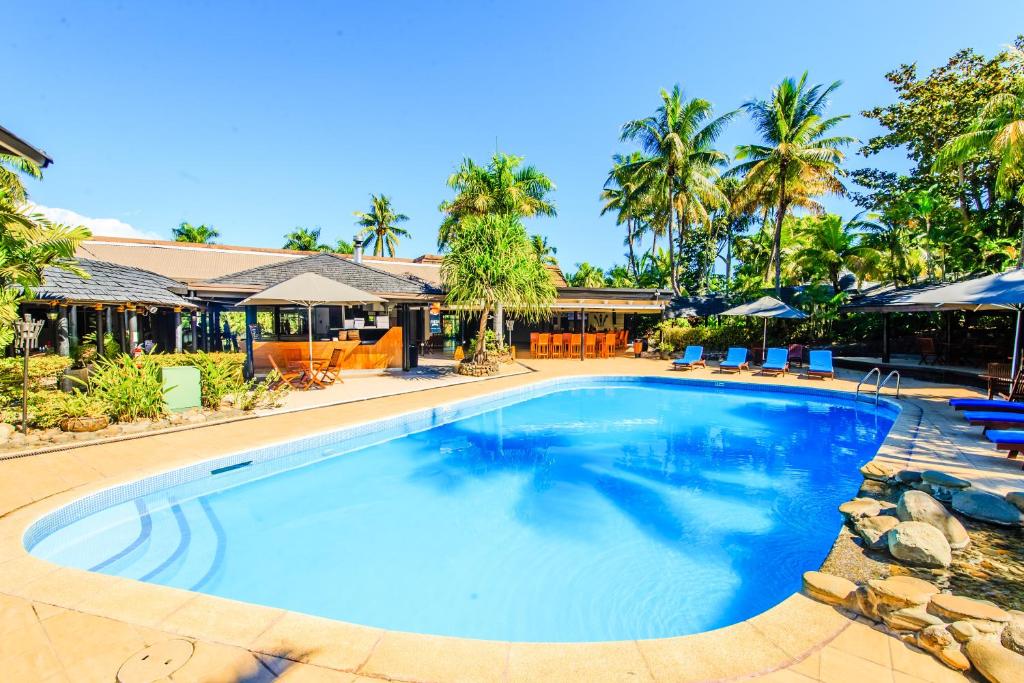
(681, 164)
(10, 182)
(825, 243)
(503, 187)
(343, 247)
(489, 262)
(195, 234)
(621, 195)
(545, 252)
(998, 131)
(923, 205)
(305, 239)
(735, 218)
(586, 275)
(797, 155)
(380, 225)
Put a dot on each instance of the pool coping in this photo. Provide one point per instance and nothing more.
(761, 644)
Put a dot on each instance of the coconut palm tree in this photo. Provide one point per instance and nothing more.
(10, 182)
(621, 194)
(586, 275)
(680, 163)
(923, 205)
(998, 131)
(826, 244)
(503, 187)
(489, 262)
(305, 239)
(545, 252)
(797, 155)
(380, 226)
(195, 234)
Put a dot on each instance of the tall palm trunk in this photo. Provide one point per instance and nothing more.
(777, 239)
(481, 345)
(672, 279)
(632, 255)
(929, 266)
(728, 257)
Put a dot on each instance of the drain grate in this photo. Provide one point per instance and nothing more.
(156, 662)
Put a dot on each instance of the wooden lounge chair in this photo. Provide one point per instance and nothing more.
(776, 362)
(735, 360)
(693, 357)
(796, 354)
(331, 372)
(820, 365)
(293, 377)
(926, 347)
(1012, 403)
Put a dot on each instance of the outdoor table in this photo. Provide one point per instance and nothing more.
(318, 366)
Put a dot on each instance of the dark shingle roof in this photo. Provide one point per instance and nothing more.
(357, 275)
(891, 298)
(696, 306)
(111, 283)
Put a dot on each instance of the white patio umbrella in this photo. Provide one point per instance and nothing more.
(309, 290)
(766, 307)
(999, 291)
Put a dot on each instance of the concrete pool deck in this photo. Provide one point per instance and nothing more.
(64, 624)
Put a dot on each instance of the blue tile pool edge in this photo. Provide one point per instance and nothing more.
(291, 453)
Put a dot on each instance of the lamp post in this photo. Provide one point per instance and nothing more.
(28, 334)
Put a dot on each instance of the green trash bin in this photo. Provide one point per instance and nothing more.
(181, 387)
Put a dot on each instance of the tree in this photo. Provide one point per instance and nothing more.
(586, 275)
(503, 187)
(998, 133)
(489, 261)
(195, 234)
(680, 163)
(622, 195)
(798, 154)
(305, 239)
(730, 221)
(380, 226)
(544, 251)
(29, 243)
(923, 205)
(10, 182)
(344, 247)
(827, 245)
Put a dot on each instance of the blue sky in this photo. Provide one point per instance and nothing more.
(257, 117)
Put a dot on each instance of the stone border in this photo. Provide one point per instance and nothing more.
(762, 644)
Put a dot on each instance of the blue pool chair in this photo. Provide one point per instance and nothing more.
(776, 362)
(820, 365)
(995, 419)
(735, 360)
(694, 357)
(987, 404)
(1007, 440)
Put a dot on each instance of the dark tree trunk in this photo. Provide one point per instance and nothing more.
(777, 239)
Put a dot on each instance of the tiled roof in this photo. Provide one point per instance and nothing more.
(331, 266)
(111, 283)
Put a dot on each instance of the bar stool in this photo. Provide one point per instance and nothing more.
(543, 345)
(591, 345)
(556, 346)
(566, 345)
(533, 344)
(575, 345)
(609, 345)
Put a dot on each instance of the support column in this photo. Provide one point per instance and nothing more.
(499, 322)
(885, 337)
(250, 325)
(133, 329)
(177, 332)
(73, 326)
(63, 343)
(100, 346)
(583, 334)
(193, 318)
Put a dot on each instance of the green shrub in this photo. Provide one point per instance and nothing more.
(43, 372)
(717, 338)
(262, 394)
(130, 388)
(217, 379)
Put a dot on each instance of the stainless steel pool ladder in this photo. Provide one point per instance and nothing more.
(884, 381)
(878, 379)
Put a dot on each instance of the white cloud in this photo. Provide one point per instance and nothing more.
(107, 227)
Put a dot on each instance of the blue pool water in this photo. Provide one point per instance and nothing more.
(600, 510)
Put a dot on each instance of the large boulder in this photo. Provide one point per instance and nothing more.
(941, 643)
(943, 485)
(897, 592)
(860, 507)
(917, 506)
(876, 470)
(1013, 633)
(987, 507)
(962, 608)
(908, 477)
(873, 530)
(919, 544)
(910, 619)
(832, 590)
(993, 661)
(1016, 499)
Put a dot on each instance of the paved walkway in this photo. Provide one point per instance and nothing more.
(63, 624)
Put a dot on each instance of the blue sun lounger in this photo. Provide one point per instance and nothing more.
(735, 360)
(776, 362)
(820, 365)
(692, 358)
(987, 404)
(1007, 440)
(995, 419)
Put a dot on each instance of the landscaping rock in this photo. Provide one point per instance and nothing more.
(943, 485)
(897, 592)
(963, 631)
(917, 506)
(1015, 499)
(961, 608)
(1013, 635)
(908, 476)
(873, 530)
(878, 471)
(987, 507)
(832, 590)
(993, 661)
(135, 427)
(941, 643)
(910, 619)
(860, 507)
(6, 431)
(919, 544)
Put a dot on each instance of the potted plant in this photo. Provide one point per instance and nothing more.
(83, 413)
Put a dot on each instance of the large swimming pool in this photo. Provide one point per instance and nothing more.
(580, 510)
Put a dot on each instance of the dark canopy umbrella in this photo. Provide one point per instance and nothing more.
(766, 307)
(992, 292)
